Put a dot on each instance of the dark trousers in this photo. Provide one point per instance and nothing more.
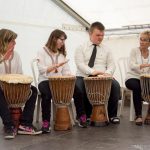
(87, 107)
(46, 100)
(134, 85)
(28, 111)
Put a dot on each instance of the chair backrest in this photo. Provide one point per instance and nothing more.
(35, 71)
(123, 64)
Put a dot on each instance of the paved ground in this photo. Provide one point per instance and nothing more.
(126, 136)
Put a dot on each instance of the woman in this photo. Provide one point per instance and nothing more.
(51, 62)
(10, 62)
(139, 63)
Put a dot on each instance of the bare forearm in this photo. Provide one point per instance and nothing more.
(51, 68)
(144, 66)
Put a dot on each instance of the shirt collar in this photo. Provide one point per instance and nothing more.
(53, 54)
(91, 44)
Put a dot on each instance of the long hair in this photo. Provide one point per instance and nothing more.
(6, 36)
(52, 40)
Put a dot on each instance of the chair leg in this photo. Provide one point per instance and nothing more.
(72, 112)
(53, 112)
(131, 108)
(121, 103)
(71, 115)
(38, 109)
(120, 108)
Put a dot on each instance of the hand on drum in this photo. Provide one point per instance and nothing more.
(107, 74)
(96, 72)
(99, 73)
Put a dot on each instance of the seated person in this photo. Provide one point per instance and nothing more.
(51, 62)
(139, 63)
(10, 63)
(94, 58)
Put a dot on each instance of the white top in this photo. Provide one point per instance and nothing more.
(135, 60)
(45, 61)
(103, 62)
(13, 65)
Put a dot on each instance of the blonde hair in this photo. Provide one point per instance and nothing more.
(147, 32)
(6, 36)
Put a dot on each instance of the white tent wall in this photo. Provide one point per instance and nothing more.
(34, 20)
(121, 46)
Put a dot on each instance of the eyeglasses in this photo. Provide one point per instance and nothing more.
(63, 40)
(144, 40)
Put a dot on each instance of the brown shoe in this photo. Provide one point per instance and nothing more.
(138, 121)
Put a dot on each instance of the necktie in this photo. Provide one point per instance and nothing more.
(93, 56)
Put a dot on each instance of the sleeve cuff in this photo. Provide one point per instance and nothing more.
(89, 71)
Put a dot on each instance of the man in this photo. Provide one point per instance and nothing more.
(103, 65)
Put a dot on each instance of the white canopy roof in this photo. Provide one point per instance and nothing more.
(113, 13)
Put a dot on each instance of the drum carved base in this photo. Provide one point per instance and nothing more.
(99, 116)
(147, 118)
(63, 121)
(16, 115)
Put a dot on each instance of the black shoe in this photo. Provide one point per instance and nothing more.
(9, 132)
(88, 121)
(114, 120)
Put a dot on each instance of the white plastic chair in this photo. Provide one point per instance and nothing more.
(35, 75)
(53, 108)
(123, 66)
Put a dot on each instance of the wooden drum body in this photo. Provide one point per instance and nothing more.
(145, 89)
(16, 89)
(62, 89)
(98, 92)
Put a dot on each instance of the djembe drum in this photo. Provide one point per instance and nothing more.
(98, 92)
(62, 89)
(145, 89)
(16, 88)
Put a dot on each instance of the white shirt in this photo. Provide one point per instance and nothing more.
(14, 65)
(135, 60)
(45, 61)
(103, 62)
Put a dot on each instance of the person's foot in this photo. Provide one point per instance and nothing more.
(88, 121)
(138, 120)
(82, 121)
(28, 130)
(10, 132)
(46, 127)
(114, 120)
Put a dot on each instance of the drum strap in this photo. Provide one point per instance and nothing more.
(53, 61)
